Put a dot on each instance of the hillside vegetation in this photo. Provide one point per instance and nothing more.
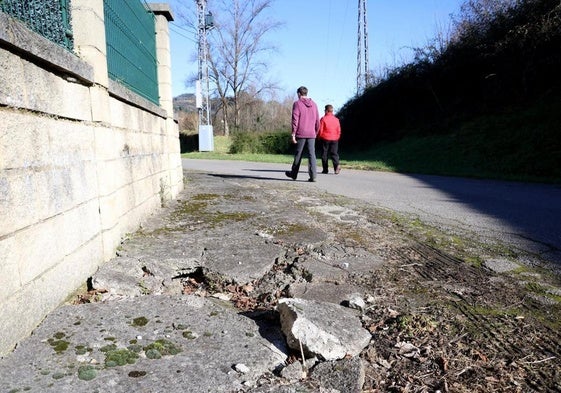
(485, 104)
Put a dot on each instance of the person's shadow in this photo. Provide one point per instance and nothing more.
(255, 177)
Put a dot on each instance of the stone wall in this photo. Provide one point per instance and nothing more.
(83, 161)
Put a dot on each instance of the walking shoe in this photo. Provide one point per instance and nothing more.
(325, 171)
(311, 180)
(289, 174)
(338, 169)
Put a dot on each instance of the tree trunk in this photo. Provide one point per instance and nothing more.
(226, 127)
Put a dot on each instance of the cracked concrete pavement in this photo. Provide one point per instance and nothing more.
(188, 303)
(225, 230)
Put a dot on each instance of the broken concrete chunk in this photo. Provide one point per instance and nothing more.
(501, 265)
(408, 350)
(325, 330)
(345, 375)
(241, 368)
(293, 372)
(357, 302)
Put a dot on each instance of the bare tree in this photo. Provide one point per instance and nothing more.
(476, 16)
(187, 121)
(238, 53)
(264, 114)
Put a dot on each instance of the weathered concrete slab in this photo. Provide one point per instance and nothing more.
(243, 258)
(323, 291)
(125, 277)
(228, 229)
(200, 342)
(321, 329)
(324, 271)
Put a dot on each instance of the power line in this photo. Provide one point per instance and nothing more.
(178, 31)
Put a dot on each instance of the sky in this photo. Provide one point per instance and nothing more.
(317, 42)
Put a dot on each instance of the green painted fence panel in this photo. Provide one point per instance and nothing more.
(131, 46)
(50, 18)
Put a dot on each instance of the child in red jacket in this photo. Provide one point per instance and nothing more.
(329, 134)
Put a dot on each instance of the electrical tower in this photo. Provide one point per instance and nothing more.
(205, 23)
(362, 71)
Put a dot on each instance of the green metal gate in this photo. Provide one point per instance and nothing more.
(51, 18)
(131, 46)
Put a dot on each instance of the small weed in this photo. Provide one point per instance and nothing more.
(120, 357)
(140, 321)
(144, 290)
(82, 349)
(164, 347)
(205, 197)
(536, 288)
(87, 373)
(59, 346)
(153, 354)
(108, 348)
(414, 325)
(474, 260)
(542, 290)
(136, 348)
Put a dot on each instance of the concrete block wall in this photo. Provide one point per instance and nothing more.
(83, 161)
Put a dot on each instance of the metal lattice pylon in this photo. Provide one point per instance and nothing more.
(203, 79)
(205, 23)
(362, 73)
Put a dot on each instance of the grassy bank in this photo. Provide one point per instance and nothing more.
(522, 145)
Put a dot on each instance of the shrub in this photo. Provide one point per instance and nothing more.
(189, 142)
(276, 143)
(244, 142)
(265, 143)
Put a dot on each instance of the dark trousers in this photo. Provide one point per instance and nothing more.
(329, 150)
(310, 145)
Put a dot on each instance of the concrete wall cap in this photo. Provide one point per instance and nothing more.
(161, 9)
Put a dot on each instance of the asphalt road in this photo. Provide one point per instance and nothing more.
(522, 215)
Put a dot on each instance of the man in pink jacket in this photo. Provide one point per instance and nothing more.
(329, 134)
(305, 126)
